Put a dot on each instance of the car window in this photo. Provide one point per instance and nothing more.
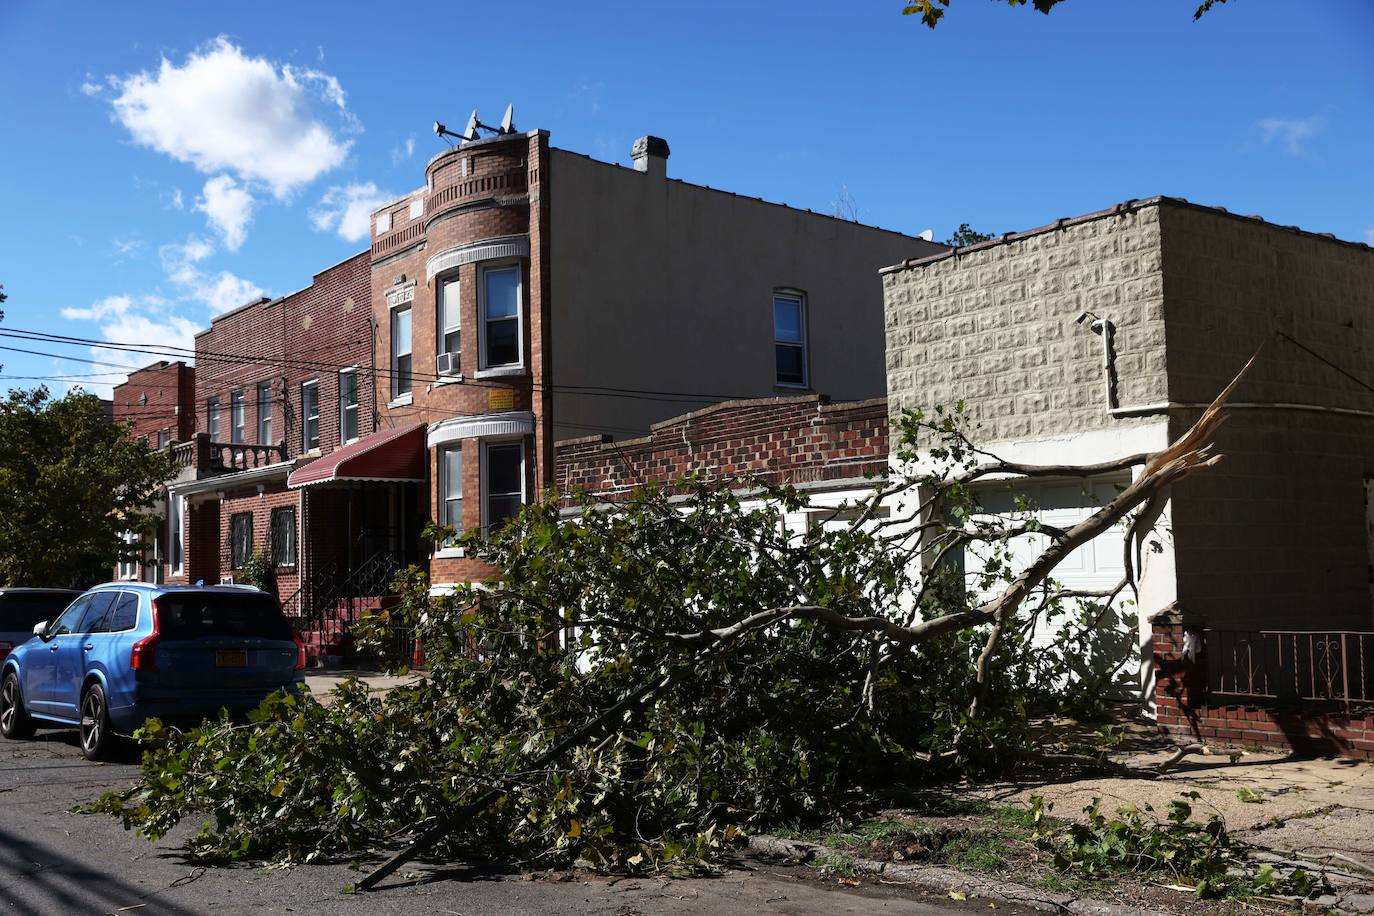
(67, 622)
(20, 611)
(93, 620)
(124, 615)
(193, 615)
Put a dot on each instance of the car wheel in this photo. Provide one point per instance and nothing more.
(14, 721)
(96, 738)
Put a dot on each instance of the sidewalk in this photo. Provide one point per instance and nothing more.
(323, 681)
(1312, 806)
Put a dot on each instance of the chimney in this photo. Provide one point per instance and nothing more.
(650, 155)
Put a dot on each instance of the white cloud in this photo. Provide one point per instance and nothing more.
(403, 152)
(176, 201)
(347, 210)
(229, 209)
(223, 111)
(1290, 133)
(101, 309)
(219, 291)
(1369, 237)
(124, 249)
(90, 87)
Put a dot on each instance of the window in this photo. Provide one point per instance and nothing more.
(450, 324)
(69, 619)
(789, 338)
(265, 413)
(127, 568)
(310, 415)
(400, 352)
(451, 482)
(164, 438)
(284, 536)
(348, 405)
(240, 539)
(212, 418)
(236, 416)
(501, 316)
(175, 506)
(95, 618)
(124, 615)
(505, 482)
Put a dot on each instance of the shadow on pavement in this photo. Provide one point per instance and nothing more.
(38, 879)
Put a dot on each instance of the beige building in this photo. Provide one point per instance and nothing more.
(1177, 297)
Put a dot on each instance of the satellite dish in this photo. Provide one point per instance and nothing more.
(470, 132)
(507, 122)
(928, 235)
(439, 129)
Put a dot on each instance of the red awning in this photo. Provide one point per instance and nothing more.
(390, 455)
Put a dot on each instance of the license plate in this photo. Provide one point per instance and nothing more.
(231, 658)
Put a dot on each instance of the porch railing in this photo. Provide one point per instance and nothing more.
(240, 456)
(1295, 665)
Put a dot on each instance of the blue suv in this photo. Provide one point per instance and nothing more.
(123, 652)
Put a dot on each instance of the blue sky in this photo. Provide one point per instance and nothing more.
(161, 162)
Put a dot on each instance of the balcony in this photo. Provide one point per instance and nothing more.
(200, 457)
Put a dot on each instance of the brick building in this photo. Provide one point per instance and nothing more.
(1106, 334)
(159, 400)
(282, 383)
(526, 294)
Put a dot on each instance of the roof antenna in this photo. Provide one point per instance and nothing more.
(508, 121)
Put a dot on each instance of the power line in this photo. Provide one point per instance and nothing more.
(298, 363)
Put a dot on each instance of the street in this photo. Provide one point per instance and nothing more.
(56, 862)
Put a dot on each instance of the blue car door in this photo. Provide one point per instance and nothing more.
(73, 651)
(40, 665)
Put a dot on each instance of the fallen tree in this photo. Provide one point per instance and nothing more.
(650, 678)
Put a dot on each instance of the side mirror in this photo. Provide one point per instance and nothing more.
(41, 630)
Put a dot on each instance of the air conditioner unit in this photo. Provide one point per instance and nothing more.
(448, 364)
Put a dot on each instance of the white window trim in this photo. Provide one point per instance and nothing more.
(258, 390)
(219, 416)
(240, 427)
(517, 367)
(790, 293)
(524, 469)
(446, 552)
(357, 406)
(397, 397)
(305, 417)
(176, 525)
(129, 569)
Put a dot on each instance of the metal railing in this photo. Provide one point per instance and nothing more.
(1295, 665)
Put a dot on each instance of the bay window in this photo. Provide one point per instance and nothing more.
(504, 482)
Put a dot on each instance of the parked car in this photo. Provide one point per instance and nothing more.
(22, 608)
(124, 652)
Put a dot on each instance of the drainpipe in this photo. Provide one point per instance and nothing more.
(1104, 328)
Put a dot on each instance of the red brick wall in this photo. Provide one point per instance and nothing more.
(158, 397)
(326, 326)
(784, 440)
(260, 506)
(1183, 708)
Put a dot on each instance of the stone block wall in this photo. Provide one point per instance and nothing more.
(993, 325)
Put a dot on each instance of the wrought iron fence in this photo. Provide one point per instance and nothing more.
(1314, 666)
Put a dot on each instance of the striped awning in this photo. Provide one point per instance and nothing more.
(389, 455)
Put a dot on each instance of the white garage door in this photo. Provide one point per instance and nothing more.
(1098, 564)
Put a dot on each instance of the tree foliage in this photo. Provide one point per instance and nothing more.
(71, 482)
(967, 235)
(932, 11)
(797, 671)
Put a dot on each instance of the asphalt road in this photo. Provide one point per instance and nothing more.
(52, 861)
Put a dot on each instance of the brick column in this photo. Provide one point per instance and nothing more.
(1180, 681)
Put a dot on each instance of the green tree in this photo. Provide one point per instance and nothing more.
(931, 11)
(967, 235)
(71, 482)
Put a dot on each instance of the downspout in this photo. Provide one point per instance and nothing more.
(1107, 331)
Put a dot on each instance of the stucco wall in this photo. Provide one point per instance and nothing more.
(994, 326)
(1274, 536)
(660, 285)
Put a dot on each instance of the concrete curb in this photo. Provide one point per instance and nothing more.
(947, 879)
